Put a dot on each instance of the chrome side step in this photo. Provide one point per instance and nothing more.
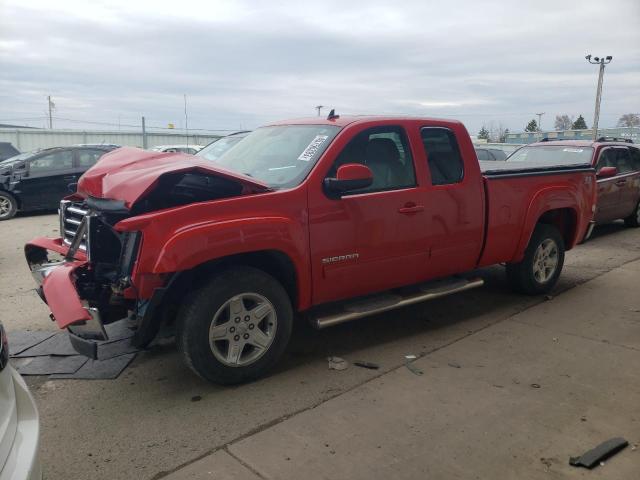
(363, 307)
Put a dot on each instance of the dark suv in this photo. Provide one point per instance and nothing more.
(39, 180)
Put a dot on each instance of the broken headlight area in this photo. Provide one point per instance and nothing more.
(89, 226)
(95, 288)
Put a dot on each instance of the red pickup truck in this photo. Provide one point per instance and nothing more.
(617, 164)
(329, 219)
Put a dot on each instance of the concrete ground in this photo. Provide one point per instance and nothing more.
(481, 420)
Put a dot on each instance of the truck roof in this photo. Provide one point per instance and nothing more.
(344, 120)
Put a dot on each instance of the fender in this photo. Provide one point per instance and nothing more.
(189, 247)
(548, 198)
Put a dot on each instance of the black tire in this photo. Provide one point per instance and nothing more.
(8, 205)
(522, 276)
(201, 308)
(633, 220)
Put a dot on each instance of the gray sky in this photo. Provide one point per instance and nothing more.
(245, 63)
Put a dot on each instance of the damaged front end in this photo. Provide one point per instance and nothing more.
(99, 280)
(89, 287)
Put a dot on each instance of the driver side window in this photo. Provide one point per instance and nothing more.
(385, 150)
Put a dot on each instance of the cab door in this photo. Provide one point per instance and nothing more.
(629, 169)
(370, 239)
(454, 203)
(609, 204)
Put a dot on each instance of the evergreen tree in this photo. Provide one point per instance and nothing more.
(483, 133)
(532, 126)
(579, 124)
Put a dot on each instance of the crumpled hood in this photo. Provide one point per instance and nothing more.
(129, 173)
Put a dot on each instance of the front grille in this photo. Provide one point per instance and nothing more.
(71, 215)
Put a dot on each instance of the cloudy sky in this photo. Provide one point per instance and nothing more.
(244, 63)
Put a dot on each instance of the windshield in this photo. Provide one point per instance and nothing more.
(215, 150)
(280, 156)
(17, 158)
(553, 155)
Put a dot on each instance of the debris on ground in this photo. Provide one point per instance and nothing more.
(337, 363)
(453, 365)
(369, 365)
(596, 456)
(547, 462)
(548, 297)
(408, 361)
(196, 398)
(51, 354)
(535, 385)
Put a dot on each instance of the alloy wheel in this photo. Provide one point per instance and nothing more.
(243, 329)
(545, 261)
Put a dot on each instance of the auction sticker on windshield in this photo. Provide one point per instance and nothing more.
(312, 148)
(573, 150)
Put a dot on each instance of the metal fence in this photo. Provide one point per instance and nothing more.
(27, 139)
(632, 133)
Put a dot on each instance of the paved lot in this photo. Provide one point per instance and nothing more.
(158, 416)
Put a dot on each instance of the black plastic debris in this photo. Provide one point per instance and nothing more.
(100, 369)
(116, 348)
(369, 365)
(408, 362)
(603, 451)
(48, 365)
(20, 340)
(50, 353)
(57, 344)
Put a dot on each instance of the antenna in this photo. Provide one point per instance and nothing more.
(186, 119)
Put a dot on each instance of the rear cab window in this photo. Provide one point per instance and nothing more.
(635, 158)
(443, 155)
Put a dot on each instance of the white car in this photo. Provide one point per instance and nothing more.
(192, 149)
(19, 423)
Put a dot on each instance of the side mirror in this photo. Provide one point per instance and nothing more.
(607, 172)
(351, 176)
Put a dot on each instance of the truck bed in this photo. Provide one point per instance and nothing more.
(511, 191)
(507, 168)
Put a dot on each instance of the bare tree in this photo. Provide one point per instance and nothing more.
(563, 122)
(629, 120)
(497, 132)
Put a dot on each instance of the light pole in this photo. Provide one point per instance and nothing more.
(319, 107)
(540, 121)
(602, 61)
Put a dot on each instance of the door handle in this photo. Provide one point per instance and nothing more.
(622, 182)
(410, 208)
(69, 177)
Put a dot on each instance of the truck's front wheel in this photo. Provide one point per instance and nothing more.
(543, 259)
(235, 327)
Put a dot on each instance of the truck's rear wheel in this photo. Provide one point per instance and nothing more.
(540, 268)
(633, 220)
(235, 327)
(8, 206)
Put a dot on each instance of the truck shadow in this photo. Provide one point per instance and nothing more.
(608, 229)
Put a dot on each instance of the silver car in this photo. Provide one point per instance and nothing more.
(19, 423)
